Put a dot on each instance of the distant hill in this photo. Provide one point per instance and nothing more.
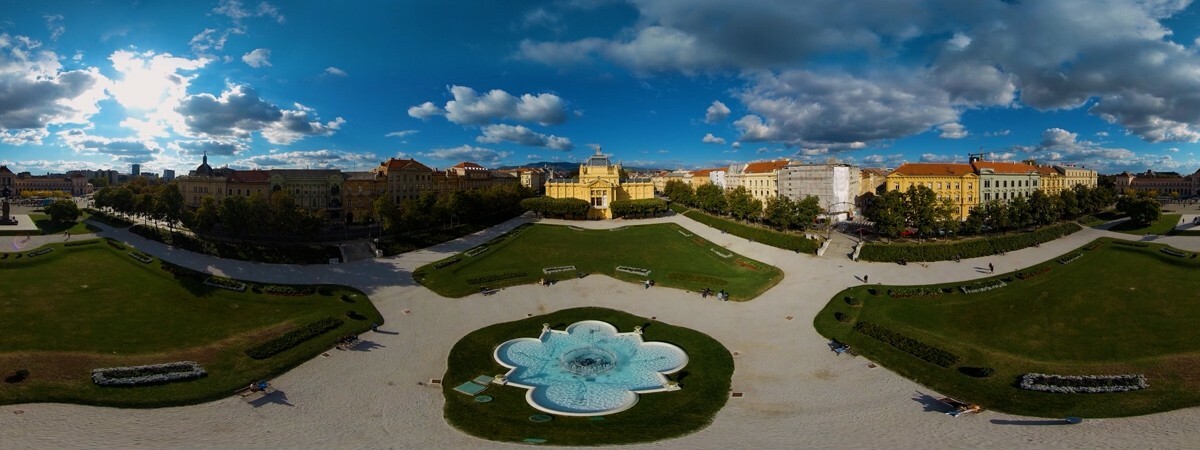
(566, 166)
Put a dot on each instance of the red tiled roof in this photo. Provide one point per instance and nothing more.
(469, 165)
(873, 171)
(249, 176)
(705, 172)
(397, 164)
(765, 166)
(1047, 171)
(1004, 167)
(934, 169)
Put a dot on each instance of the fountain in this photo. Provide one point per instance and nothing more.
(589, 369)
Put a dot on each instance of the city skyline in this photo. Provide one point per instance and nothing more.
(691, 85)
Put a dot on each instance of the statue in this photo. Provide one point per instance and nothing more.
(5, 217)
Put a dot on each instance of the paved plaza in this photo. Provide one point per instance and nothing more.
(798, 394)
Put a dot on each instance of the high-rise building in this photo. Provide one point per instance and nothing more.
(168, 175)
(135, 170)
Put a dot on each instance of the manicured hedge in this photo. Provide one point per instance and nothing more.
(906, 292)
(1033, 272)
(293, 338)
(640, 208)
(973, 248)
(78, 243)
(105, 218)
(908, 345)
(496, 277)
(287, 290)
(786, 241)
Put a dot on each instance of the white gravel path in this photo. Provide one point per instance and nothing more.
(798, 393)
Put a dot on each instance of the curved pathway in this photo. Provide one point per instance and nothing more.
(798, 394)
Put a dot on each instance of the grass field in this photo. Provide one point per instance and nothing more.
(1118, 309)
(47, 226)
(704, 383)
(675, 257)
(1162, 226)
(788, 241)
(89, 305)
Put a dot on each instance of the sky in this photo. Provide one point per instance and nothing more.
(1107, 84)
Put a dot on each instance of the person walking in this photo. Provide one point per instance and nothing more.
(866, 279)
(991, 268)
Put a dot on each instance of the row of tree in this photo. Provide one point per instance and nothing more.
(646, 207)
(919, 208)
(780, 212)
(571, 208)
(430, 210)
(236, 216)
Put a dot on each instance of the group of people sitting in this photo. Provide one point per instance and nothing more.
(348, 341)
(721, 295)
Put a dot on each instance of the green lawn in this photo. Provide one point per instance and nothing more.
(1118, 309)
(1164, 225)
(675, 257)
(90, 305)
(758, 233)
(46, 226)
(704, 382)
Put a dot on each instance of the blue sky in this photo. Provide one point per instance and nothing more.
(1112, 85)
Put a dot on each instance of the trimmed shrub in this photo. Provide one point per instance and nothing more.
(907, 292)
(1066, 259)
(841, 317)
(982, 286)
(908, 345)
(1081, 384)
(973, 248)
(293, 291)
(496, 277)
(445, 263)
(293, 338)
(151, 374)
(852, 301)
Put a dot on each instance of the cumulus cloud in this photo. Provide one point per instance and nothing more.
(28, 136)
(470, 108)
(998, 133)
(35, 91)
(335, 72)
(736, 145)
(315, 159)
(425, 111)
(209, 146)
(401, 133)
(120, 149)
(233, 9)
(812, 109)
(716, 112)
(37, 166)
(259, 57)
(480, 155)
(239, 111)
(710, 139)
(952, 131)
(519, 134)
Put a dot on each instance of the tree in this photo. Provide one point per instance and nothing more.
(63, 211)
(679, 192)
(887, 212)
(388, 213)
(1142, 211)
(780, 212)
(1069, 202)
(974, 222)
(711, 198)
(1043, 208)
(234, 215)
(742, 205)
(1020, 212)
(807, 210)
(207, 215)
(168, 204)
(921, 206)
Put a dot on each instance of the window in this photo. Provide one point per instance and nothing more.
(987, 196)
(987, 183)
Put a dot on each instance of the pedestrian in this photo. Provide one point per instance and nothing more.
(374, 327)
(991, 268)
(865, 278)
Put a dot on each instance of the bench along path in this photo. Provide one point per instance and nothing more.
(795, 389)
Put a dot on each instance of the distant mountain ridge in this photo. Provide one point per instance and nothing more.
(566, 166)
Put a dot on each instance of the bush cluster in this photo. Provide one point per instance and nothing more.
(445, 263)
(908, 345)
(78, 243)
(786, 241)
(144, 258)
(906, 292)
(114, 244)
(1172, 252)
(560, 207)
(1082, 384)
(293, 291)
(226, 283)
(973, 248)
(274, 254)
(982, 286)
(697, 278)
(639, 208)
(853, 301)
(1033, 272)
(496, 277)
(841, 317)
(107, 219)
(40, 252)
(1132, 244)
(293, 338)
(1066, 259)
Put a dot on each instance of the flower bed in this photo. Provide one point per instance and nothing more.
(906, 292)
(225, 283)
(634, 270)
(115, 244)
(476, 251)
(1082, 384)
(982, 286)
(78, 243)
(1066, 259)
(144, 258)
(293, 338)
(446, 263)
(496, 277)
(1173, 252)
(1093, 245)
(1033, 273)
(291, 291)
(723, 255)
(908, 345)
(684, 233)
(557, 269)
(40, 252)
(151, 374)
(1132, 244)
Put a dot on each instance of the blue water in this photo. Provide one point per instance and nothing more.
(590, 369)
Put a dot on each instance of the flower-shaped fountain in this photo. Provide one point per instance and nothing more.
(589, 369)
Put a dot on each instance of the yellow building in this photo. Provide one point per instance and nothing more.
(600, 184)
(957, 182)
(761, 179)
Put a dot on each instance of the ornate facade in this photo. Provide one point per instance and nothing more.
(600, 184)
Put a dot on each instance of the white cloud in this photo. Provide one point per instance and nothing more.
(425, 111)
(710, 139)
(470, 108)
(952, 131)
(336, 72)
(259, 57)
(28, 136)
(239, 111)
(716, 112)
(736, 145)
(36, 92)
(519, 134)
(1102, 133)
(1173, 149)
(149, 81)
(209, 146)
(54, 25)
(234, 10)
(126, 150)
(998, 133)
(302, 159)
(401, 133)
(479, 155)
